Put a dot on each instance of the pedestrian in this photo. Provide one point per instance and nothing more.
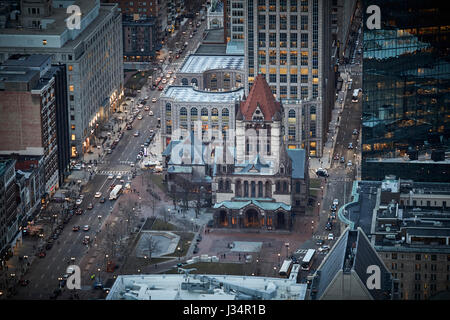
(224, 256)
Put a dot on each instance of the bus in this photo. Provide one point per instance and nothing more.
(285, 268)
(294, 272)
(355, 95)
(308, 259)
(115, 192)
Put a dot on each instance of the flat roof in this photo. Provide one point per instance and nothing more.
(201, 63)
(189, 94)
(210, 48)
(168, 287)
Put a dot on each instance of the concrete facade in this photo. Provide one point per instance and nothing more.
(94, 59)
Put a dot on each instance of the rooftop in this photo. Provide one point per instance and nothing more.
(260, 97)
(200, 63)
(202, 287)
(209, 48)
(189, 94)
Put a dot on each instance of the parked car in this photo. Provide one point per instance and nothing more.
(355, 132)
(336, 157)
(350, 145)
(342, 160)
(322, 173)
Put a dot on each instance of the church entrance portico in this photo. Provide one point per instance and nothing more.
(251, 219)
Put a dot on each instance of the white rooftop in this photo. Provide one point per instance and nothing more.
(199, 64)
(189, 94)
(168, 287)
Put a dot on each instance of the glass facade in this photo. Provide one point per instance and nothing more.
(406, 85)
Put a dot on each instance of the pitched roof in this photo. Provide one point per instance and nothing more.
(260, 95)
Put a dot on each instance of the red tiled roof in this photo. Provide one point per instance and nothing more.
(260, 94)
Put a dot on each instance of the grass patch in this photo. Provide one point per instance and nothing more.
(160, 225)
(217, 268)
(314, 183)
(186, 239)
(313, 193)
(157, 179)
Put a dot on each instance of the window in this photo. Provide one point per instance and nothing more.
(70, 67)
(293, 37)
(272, 22)
(283, 39)
(73, 137)
(297, 187)
(293, 92)
(293, 22)
(294, 79)
(183, 114)
(194, 114)
(71, 88)
(304, 40)
(418, 256)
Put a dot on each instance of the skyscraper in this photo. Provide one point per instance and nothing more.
(406, 85)
(290, 43)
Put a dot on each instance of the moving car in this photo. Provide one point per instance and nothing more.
(102, 200)
(76, 228)
(336, 202)
(119, 176)
(98, 194)
(90, 206)
(154, 100)
(139, 117)
(350, 145)
(320, 242)
(136, 134)
(355, 132)
(86, 228)
(349, 163)
(324, 248)
(330, 236)
(150, 113)
(322, 173)
(110, 177)
(78, 202)
(342, 160)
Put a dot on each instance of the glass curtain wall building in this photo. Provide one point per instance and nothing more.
(406, 84)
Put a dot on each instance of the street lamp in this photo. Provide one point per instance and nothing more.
(279, 259)
(287, 249)
(179, 253)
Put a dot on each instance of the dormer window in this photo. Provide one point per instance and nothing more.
(258, 115)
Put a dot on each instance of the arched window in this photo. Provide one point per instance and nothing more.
(278, 187)
(168, 109)
(268, 189)
(183, 114)
(204, 114)
(226, 81)
(238, 188)
(194, 82)
(225, 115)
(213, 82)
(285, 186)
(291, 114)
(253, 189)
(227, 185)
(220, 185)
(260, 189)
(194, 114)
(245, 188)
(215, 115)
(184, 82)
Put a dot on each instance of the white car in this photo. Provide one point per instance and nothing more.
(78, 202)
(150, 113)
(324, 248)
(98, 194)
(139, 117)
(146, 98)
(168, 76)
(330, 236)
(349, 163)
(110, 177)
(119, 176)
(86, 228)
(136, 134)
(335, 202)
(153, 100)
(163, 81)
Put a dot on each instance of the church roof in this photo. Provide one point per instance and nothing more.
(270, 206)
(261, 96)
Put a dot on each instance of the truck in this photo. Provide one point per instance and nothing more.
(115, 192)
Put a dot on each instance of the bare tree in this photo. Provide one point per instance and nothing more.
(151, 246)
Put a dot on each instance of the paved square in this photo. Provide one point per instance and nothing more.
(246, 246)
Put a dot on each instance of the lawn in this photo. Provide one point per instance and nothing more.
(314, 183)
(160, 225)
(185, 242)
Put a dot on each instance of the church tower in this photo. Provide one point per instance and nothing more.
(258, 124)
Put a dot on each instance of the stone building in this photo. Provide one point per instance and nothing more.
(212, 72)
(265, 185)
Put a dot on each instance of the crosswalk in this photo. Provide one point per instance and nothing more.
(320, 237)
(126, 162)
(107, 172)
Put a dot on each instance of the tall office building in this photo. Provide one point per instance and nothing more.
(92, 53)
(290, 43)
(406, 91)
